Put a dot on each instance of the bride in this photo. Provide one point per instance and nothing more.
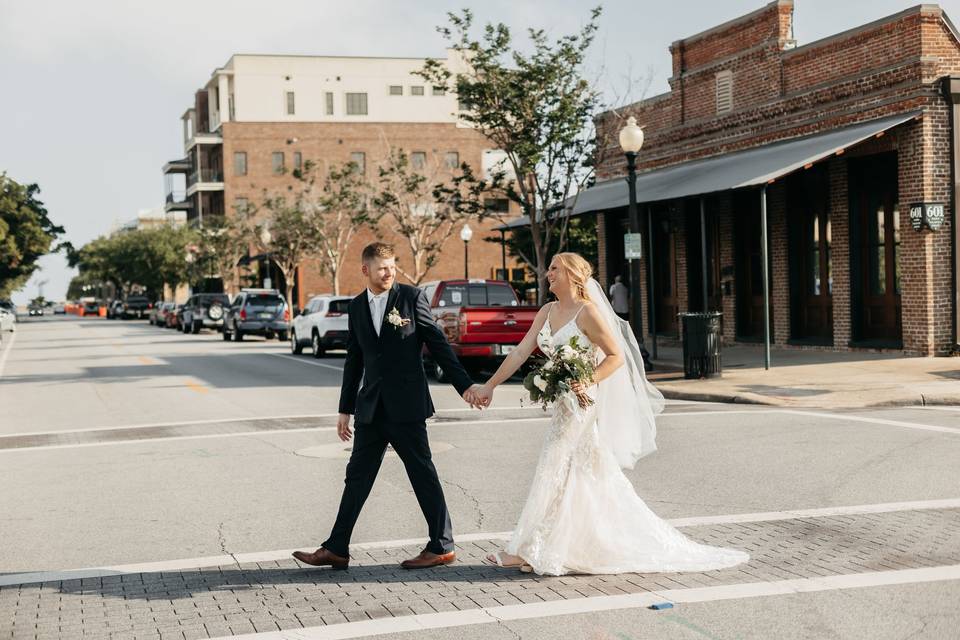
(582, 514)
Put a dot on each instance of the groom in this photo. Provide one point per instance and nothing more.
(388, 325)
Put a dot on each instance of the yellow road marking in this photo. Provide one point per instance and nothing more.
(194, 386)
(146, 360)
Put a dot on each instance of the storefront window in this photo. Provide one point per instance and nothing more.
(876, 250)
(896, 250)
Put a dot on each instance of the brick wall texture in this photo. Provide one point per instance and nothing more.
(780, 91)
(333, 143)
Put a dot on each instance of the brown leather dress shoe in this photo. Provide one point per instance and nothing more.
(321, 558)
(428, 559)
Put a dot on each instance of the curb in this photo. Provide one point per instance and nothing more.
(918, 400)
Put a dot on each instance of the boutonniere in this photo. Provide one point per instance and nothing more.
(396, 319)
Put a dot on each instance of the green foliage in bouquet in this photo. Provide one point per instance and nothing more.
(568, 363)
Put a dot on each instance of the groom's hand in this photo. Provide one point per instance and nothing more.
(343, 427)
(470, 395)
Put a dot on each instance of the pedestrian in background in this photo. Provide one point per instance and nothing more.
(620, 298)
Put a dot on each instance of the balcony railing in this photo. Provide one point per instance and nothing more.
(204, 175)
(177, 196)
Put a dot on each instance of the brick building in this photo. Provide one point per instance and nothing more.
(840, 140)
(261, 116)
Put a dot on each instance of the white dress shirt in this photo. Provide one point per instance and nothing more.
(378, 303)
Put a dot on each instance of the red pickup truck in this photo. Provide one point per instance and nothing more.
(482, 319)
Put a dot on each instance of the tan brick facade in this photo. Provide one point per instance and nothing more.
(334, 143)
(891, 66)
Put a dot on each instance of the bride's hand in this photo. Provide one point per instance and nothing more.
(581, 386)
(484, 395)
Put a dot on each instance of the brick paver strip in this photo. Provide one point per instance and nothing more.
(232, 599)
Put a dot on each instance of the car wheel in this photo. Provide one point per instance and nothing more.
(295, 347)
(316, 346)
(237, 336)
(283, 336)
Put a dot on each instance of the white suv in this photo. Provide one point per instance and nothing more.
(322, 325)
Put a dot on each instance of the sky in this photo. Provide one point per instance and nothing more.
(92, 92)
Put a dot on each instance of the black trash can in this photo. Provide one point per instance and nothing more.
(701, 344)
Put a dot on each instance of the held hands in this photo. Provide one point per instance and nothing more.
(343, 427)
(478, 396)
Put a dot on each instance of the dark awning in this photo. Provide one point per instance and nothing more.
(735, 170)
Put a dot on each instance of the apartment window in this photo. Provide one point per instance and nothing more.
(297, 160)
(356, 104)
(396, 90)
(439, 91)
(241, 205)
(290, 103)
(452, 159)
(239, 163)
(329, 99)
(496, 205)
(359, 158)
(277, 162)
(416, 91)
(232, 109)
(724, 91)
(418, 159)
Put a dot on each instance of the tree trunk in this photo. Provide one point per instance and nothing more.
(335, 276)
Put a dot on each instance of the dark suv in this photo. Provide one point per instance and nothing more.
(204, 310)
(136, 307)
(261, 312)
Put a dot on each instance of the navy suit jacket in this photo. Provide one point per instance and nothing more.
(390, 366)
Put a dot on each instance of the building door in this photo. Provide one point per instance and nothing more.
(877, 245)
(665, 273)
(749, 266)
(811, 282)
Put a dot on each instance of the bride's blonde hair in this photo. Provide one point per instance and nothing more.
(578, 270)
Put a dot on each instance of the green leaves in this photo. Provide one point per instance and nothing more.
(26, 233)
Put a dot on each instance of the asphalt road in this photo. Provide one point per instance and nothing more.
(125, 443)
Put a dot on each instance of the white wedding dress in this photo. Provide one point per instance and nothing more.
(582, 514)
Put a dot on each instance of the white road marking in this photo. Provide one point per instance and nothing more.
(491, 615)
(892, 423)
(930, 407)
(306, 361)
(6, 352)
(239, 434)
(282, 554)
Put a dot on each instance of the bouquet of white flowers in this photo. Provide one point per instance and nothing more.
(568, 363)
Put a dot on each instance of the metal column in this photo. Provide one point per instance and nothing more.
(766, 277)
(651, 309)
(703, 249)
(636, 307)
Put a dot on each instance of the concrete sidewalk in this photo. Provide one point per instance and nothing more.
(811, 378)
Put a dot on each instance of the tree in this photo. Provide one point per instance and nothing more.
(422, 210)
(26, 233)
(538, 110)
(284, 233)
(219, 245)
(335, 208)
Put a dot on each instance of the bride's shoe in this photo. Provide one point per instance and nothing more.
(496, 559)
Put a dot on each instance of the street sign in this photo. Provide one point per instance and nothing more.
(632, 246)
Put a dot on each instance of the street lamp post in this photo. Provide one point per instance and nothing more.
(465, 234)
(631, 140)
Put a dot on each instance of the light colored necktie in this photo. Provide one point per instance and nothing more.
(377, 313)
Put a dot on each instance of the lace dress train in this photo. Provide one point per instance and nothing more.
(582, 514)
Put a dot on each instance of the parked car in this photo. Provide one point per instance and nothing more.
(89, 307)
(173, 317)
(482, 319)
(59, 309)
(322, 325)
(136, 307)
(204, 310)
(35, 310)
(162, 309)
(8, 321)
(115, 309)
(261, 312)
(9, 306)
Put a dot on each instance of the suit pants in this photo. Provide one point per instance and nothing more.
(409, 440)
